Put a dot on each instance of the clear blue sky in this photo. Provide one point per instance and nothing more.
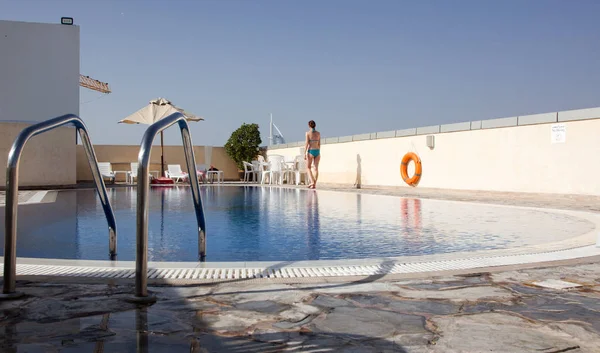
(352, 66)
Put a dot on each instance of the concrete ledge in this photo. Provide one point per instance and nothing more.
(544, 118)
(537, 119)
(385, 134)
(579, 114)
(456, 127)
(406, 132)
(194, 271)
(361, 137)
(434, 129)
(501, 122)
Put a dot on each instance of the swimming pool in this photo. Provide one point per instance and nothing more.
(253, 223)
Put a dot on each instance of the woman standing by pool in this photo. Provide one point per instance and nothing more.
(312, 152)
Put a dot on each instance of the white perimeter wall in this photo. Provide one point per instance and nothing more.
(39, 80)
(509, 154)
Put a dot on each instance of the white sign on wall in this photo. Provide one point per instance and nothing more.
(558, 133)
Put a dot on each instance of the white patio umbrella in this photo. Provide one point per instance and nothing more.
(158, 109)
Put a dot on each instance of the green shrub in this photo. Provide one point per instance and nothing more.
(243, 144)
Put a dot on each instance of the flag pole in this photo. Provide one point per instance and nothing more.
(162, 155)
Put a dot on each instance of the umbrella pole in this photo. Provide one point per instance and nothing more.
(162, 156)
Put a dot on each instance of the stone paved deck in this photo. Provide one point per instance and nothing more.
(486, 312)
(24, 196)
(560, 201)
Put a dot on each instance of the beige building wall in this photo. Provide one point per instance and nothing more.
(39, 80)
(48, 159)
(120, 157)
(520, 158)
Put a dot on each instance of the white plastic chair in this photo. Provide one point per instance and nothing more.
(174, 172)
(249, 171)
(289, 166)
(106, 171)
(292, 168)
(275, 170)
(259, 168)
(302, 169)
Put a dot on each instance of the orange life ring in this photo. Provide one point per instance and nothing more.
(414, 180)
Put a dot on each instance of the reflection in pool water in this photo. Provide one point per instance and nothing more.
(248, 223)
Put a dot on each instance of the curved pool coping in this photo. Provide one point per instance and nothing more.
(577, 247)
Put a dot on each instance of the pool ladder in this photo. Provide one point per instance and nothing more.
(12, 194)
(143, 186)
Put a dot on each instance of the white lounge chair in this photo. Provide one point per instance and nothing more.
(132, 174)
(174, 172)
(106, 171)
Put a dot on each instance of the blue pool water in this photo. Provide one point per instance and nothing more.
(248, 223)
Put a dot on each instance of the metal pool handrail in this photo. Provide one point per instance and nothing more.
(12, 191)
(143, 186)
